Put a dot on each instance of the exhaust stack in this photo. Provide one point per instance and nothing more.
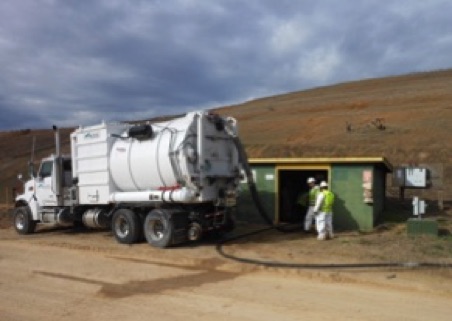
(57, 141)
(57, 183)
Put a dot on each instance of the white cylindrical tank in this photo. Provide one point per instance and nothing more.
(188, 151)
(145, 164)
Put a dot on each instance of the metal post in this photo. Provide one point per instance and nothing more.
(440, 200)
(58, 179)
(200, 144)
(415, 206)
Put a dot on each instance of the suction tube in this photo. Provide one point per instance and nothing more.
(243, 158)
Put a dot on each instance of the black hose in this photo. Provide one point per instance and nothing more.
(243, 158)
(323, 266)
(275, 264)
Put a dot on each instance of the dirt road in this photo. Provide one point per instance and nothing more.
(63, 274)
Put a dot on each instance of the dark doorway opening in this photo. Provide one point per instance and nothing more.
(292, 184)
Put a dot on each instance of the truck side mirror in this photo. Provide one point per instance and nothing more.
(31, 169)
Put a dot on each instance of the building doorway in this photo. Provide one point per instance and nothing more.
(291, 184)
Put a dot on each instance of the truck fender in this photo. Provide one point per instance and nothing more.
(21, 201)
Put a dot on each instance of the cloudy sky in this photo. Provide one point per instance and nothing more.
(76, 62)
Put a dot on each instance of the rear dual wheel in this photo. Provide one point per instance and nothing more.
(159, 228)
(126, 226)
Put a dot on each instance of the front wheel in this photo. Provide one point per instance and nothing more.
(159, 228)
(125, 226)
(23, 222)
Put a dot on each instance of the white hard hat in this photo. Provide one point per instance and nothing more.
(323, 184)
(311, 180)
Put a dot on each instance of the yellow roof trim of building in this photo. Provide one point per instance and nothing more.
(323, 160)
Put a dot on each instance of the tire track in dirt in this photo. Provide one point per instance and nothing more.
(148, 287)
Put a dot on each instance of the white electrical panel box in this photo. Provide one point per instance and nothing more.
(416, 177)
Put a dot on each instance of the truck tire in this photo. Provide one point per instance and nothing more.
(126, 226)
(159, 228)
(23, 222)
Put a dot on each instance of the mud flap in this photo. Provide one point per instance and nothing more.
(180, 223)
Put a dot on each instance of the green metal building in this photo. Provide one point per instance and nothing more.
(358, 183)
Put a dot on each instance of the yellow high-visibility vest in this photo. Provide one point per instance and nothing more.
(328, 202)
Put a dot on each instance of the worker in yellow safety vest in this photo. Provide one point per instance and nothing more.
(323, 210)
(312, 196)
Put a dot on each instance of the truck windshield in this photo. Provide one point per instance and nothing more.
(46, 169)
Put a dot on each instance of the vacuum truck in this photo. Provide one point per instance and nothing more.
(170, 182)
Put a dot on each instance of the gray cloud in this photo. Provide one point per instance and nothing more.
(79, 62)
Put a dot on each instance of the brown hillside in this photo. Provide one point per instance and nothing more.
(15, 153)
(405, 118)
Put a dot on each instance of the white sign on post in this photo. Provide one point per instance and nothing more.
(416, 177)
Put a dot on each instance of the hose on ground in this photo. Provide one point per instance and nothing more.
(320, 266)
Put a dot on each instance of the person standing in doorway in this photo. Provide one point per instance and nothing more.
(323, 210)
(312, 196)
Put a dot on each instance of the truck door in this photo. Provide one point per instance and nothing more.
(44, 193)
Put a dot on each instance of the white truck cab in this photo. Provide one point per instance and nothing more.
(49, 186)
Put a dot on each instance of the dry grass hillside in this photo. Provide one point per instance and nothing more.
(15, 153)
(405, 118)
